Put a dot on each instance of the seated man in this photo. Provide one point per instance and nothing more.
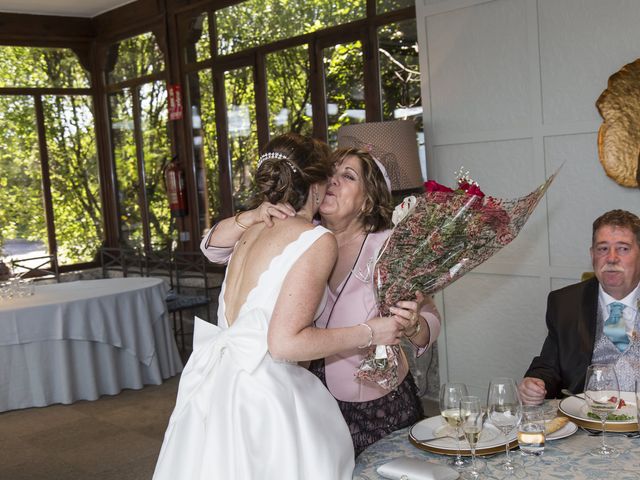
(593, 321)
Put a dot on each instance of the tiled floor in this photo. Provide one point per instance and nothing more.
(115, 437)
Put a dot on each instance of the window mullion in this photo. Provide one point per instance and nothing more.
(142, 181)
(46, 177)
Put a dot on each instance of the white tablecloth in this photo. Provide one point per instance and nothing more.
(80, 340)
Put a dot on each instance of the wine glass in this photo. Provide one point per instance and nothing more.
(603, 396)
(450, 396)
(472, 418)
(503, 405)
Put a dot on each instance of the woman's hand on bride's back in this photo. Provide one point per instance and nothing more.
(266, 212)
(386, 330)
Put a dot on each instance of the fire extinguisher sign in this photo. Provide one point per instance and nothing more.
(174, 100)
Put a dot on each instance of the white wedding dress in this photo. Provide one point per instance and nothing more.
(240, 414)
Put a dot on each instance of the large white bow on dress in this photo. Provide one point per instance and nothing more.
(245, 342)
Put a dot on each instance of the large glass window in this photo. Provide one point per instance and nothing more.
(22, 224)
(140, 143)
(123, 147)
(205, 150)
(400, 76)
(243, 137)
(198, 44)
(135, 57)
(344, 86)
(257, 22)
(157, 153)
(383, 6)
(399, 70)
(41, 67)
(49, 188)
(73, 170)
(289, 91)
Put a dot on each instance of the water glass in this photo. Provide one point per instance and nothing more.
(26, 288)
(531, 430)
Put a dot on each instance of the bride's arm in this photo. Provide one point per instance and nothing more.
(227, 232)
(291, 333)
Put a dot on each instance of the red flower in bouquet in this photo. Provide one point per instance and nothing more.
(433, 186)
(438, 237)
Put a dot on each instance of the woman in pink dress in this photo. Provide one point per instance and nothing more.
(357, 208)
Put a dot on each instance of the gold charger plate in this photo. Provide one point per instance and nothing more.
(491, 439)
(576, 410)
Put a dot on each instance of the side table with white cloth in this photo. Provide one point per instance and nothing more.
(565, 458)
(80, 340)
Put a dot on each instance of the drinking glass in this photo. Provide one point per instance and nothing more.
(450, 396)
(531, 430)
(504, 405)
(603, 396)
(472, 420)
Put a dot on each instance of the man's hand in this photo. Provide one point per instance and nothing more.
(532, 391)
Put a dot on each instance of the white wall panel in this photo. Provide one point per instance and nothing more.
(582, 42)
(581, 193)
(494, 323)
(469, 94)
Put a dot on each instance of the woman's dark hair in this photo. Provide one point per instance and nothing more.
(378, 204)
(289, 165)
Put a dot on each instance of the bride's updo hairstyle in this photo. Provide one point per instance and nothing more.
(289, 165)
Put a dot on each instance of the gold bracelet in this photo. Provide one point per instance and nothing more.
(418, 328)
(370, 335)
(238, 223)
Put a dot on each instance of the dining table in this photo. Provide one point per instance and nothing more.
(83, 339)
(564, 458)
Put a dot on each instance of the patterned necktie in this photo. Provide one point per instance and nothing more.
(614, 327)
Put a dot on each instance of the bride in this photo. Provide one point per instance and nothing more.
(245, 408)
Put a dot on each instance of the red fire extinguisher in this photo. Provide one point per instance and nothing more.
(175, 185)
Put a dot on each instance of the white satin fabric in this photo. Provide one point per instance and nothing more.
(242, 415)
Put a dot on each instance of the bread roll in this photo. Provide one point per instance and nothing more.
(555, 425)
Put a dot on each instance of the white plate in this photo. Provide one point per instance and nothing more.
(577, 409)
(491, 439)
(569, 429)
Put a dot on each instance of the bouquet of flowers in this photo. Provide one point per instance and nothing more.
(437, 237)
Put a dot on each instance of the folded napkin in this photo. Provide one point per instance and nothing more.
(416, 469)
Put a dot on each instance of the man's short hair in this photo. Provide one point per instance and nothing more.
(617, 218)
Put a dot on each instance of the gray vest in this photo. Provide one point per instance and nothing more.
(627, 363)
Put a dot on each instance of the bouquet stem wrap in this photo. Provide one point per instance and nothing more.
(438, 237)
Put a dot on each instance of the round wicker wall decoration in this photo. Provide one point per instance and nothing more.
(619, 134)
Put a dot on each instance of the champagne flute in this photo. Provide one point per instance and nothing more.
(503, 405)
(603, 396)
(450, 396)
(472, 420)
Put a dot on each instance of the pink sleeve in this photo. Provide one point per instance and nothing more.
(215, 254)
(431, 315)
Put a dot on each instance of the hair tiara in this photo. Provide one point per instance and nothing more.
(276, 156)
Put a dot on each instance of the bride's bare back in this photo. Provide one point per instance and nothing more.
(252, 256)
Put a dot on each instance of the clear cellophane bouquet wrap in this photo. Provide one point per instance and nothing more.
(438, 236)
